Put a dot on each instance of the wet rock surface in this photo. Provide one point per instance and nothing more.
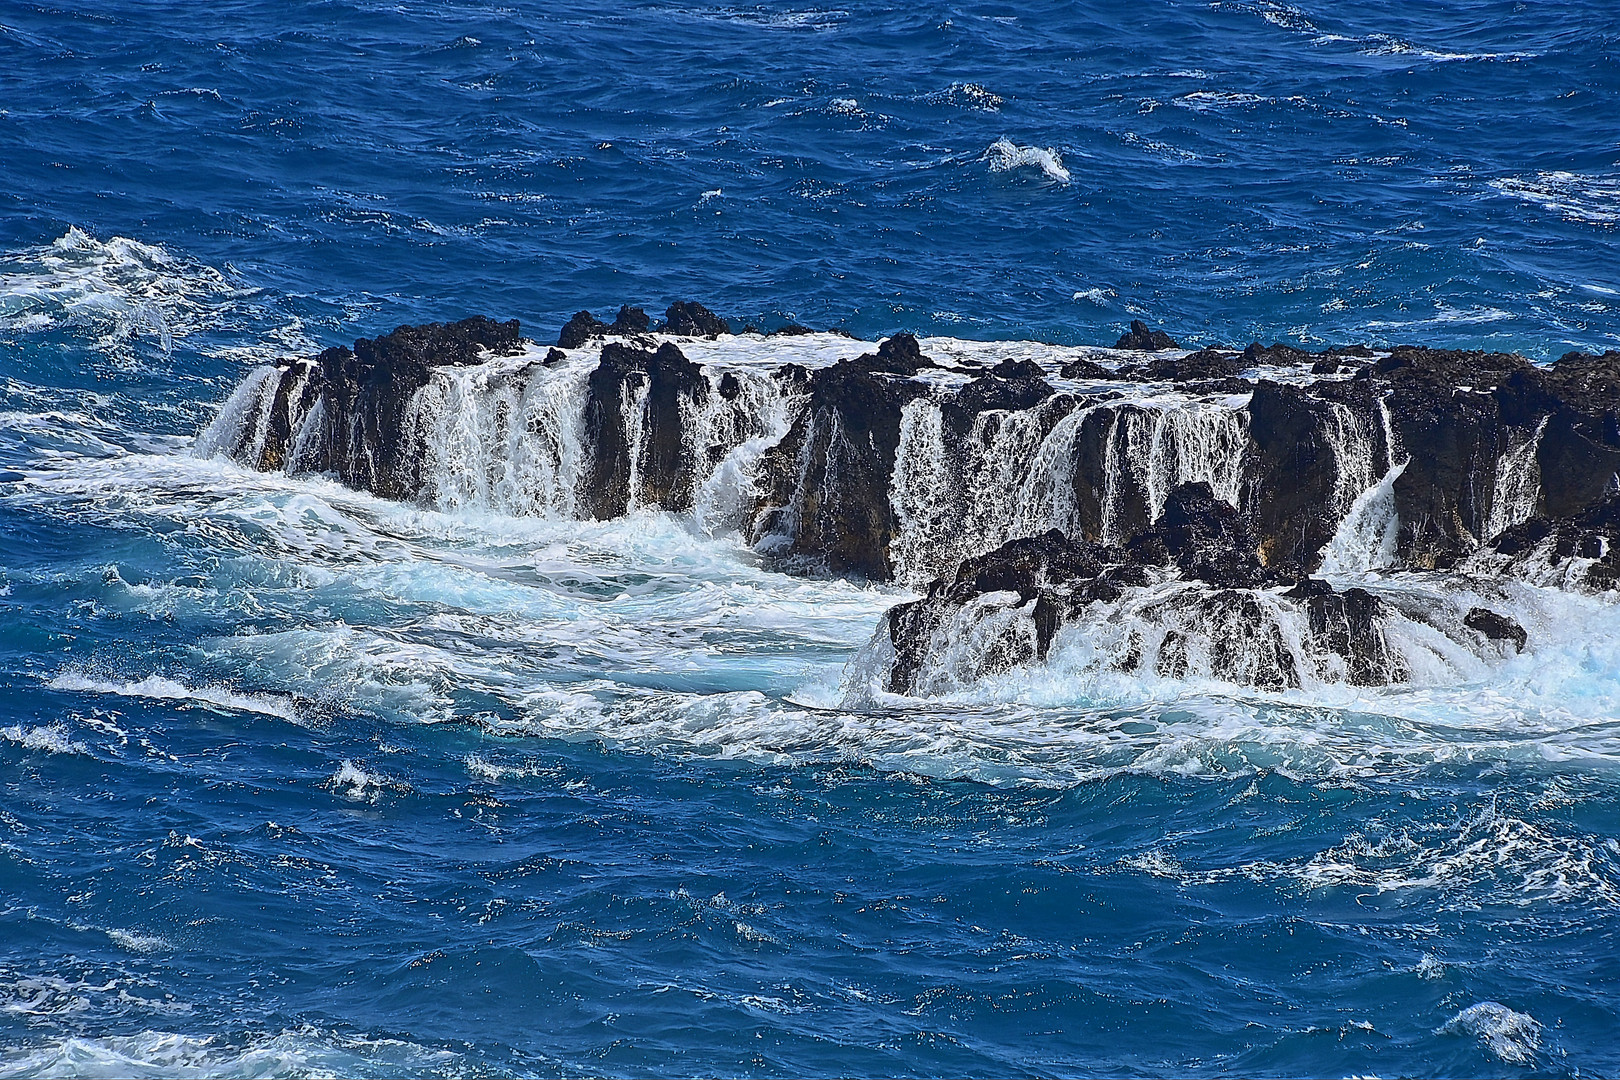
(1141, 338)
(1223, 614)
(1497, 627)
(689, 319)
(635, 413)
(365, 393)
(824, 489)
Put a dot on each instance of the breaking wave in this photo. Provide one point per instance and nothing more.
(1004, 155)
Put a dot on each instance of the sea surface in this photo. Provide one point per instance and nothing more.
(298, 781)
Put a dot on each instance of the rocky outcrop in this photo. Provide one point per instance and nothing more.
(1581, 550)
(364, 393)
(1296, 492)
(1197, 493)
(1181, 599)
(1141, 338)
(635, 424)
(579, 330)
(824, 489)
(689, 319)
(1496, 627)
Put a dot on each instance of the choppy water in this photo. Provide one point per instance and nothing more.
(296, 780)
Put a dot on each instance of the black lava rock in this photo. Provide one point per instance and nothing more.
(689, 319)
(631, 320)
(1496, 627)
(580, 329)
(1139, 337)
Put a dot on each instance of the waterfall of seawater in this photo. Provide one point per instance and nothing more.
(1365, 540)
(742, 417)
(1517, 485)
(239, 429)
(1013, 474)
(503, 436)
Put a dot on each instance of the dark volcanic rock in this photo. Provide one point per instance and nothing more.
(1208, 539)
(1454, 414)
(1544, 543)
(1496, 627)
(1139, 337)
(897, 355)
(367, 390)
(1294, 468)
(1014, 600)
(790, 330)
(825, 486)
(1052, 576)
(663, 473)
(1579, 451)
(1488, 457)
(1351, 626)
(580, 329)
(1086, 369)
(1278, 355)
(1208, 363)
(1012, 385)
(1237, 636)
(631, 320)
(689, 319)
(1030, 565)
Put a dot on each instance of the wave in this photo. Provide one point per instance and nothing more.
(1216, 100)
(1513, 1037)
(1485, 855)
(118, 289)
(358, 784)
(51, 738)
(967, 96)
(802, 19)
(1004, 155)
(161, 688)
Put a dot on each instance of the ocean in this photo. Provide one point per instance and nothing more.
(300, 780)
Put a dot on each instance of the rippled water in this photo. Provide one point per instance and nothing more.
(297, 780)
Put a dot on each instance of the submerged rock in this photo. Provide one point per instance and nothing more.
(1496, 627)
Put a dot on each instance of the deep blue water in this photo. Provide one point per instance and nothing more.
(296, 780)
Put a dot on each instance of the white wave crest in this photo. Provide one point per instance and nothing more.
(1514, 1037)
(967, 96)
(161, 688)
(358, 784)
(1004, 155)
(118, 289)
(51, 738)
(1216, 100)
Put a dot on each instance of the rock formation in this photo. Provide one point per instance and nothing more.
(1208, 496)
